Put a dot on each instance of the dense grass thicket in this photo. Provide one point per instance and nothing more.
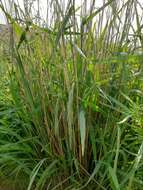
(71, 97)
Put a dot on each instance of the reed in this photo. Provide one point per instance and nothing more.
(75, 119)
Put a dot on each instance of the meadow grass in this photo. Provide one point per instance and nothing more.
(76, 113)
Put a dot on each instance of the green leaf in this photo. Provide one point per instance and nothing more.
(113, 179)
(82, 123)
(91, 16)
(35, 172)
(70, 116)
(46, 174)
(63, 25)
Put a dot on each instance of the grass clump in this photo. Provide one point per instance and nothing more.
(75, 118)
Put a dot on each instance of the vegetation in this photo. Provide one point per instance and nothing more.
(71, 105)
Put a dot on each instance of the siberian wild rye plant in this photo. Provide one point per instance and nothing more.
(75, 121)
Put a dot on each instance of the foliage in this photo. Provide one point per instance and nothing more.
(76, 113)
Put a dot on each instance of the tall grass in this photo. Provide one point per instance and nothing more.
(75, 120)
